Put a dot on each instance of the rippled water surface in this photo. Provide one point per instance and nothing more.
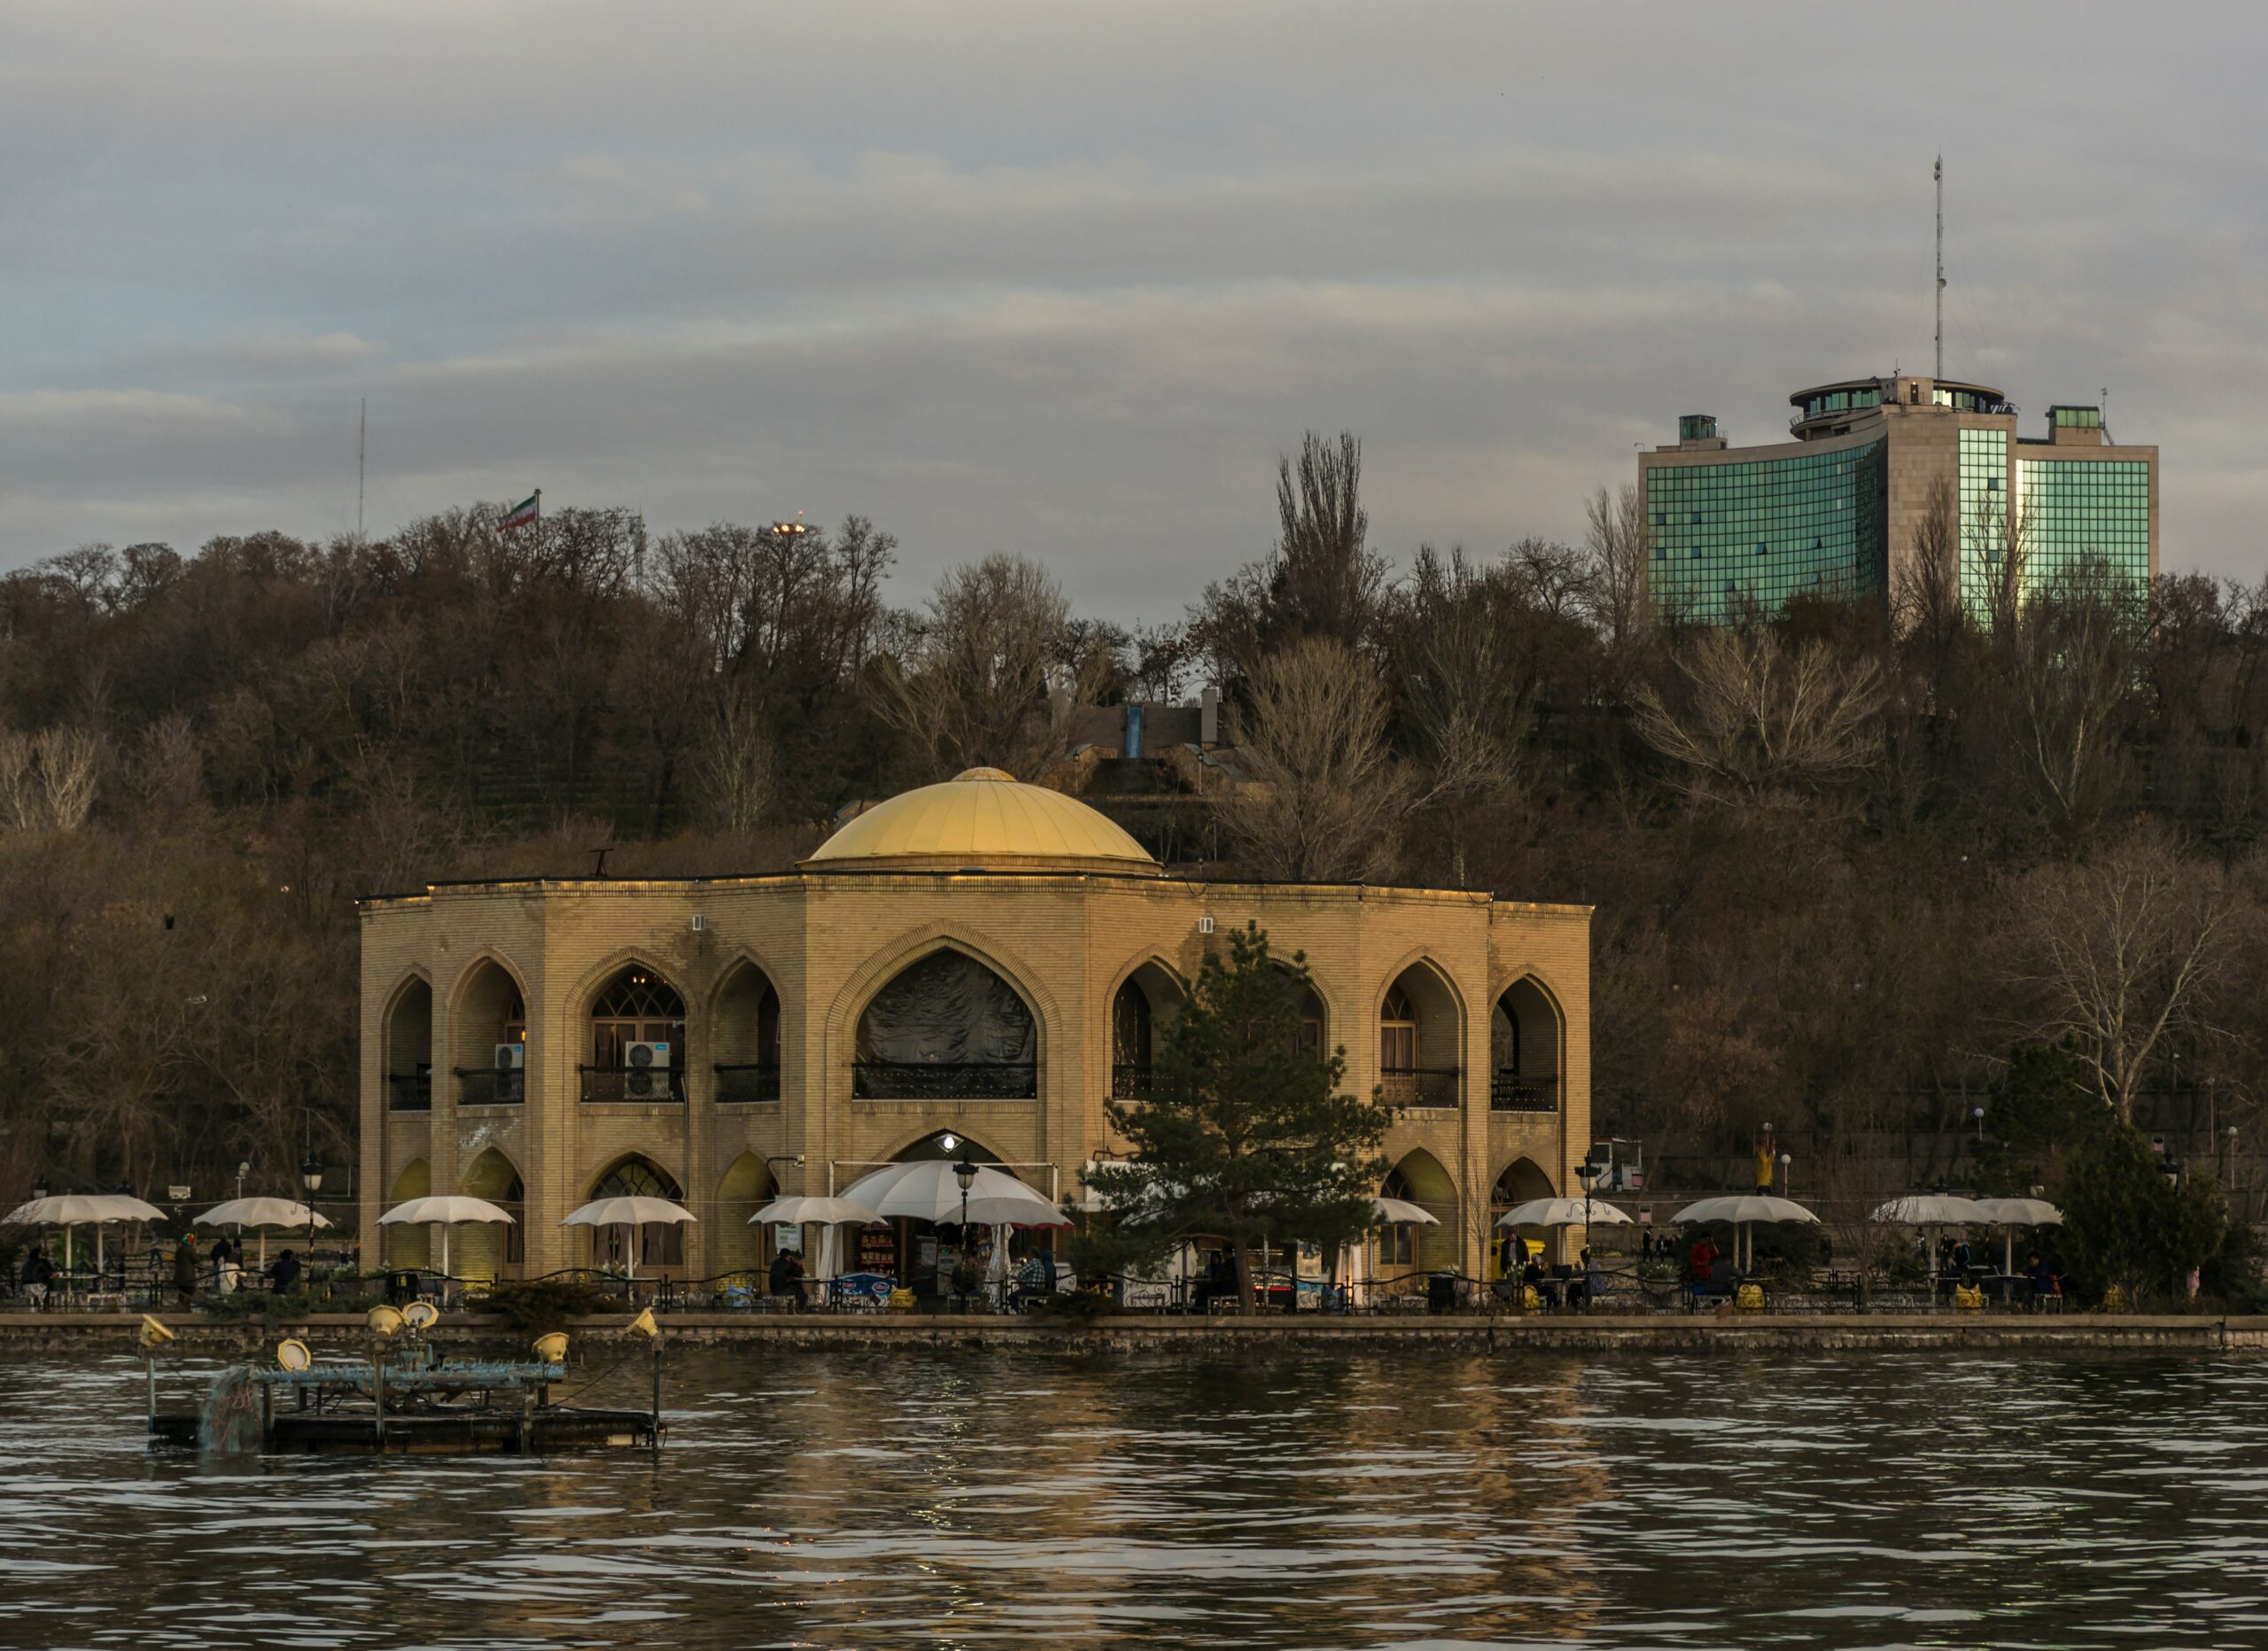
(851, 1499)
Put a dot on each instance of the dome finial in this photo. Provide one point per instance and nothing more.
(984, 773)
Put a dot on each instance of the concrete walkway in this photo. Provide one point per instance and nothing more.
(30, 1332)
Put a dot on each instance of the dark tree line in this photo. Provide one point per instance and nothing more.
(1846, 857)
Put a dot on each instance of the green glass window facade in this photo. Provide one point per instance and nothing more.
(1983, 514)
(2077, 508)
(1729, 538)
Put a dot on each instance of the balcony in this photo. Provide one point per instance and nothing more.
(410, 1093)
(743, 1084)
(1138, 1080)
(491, 1086)
(942, 1080)
(1512, 1092)
(1419, 1086)
(658, 1086)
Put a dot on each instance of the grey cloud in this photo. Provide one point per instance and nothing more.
(1049, 280)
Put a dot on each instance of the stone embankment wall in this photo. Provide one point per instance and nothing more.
(82, 1333)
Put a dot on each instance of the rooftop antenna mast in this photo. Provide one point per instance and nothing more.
(1939, 173)
(361, 437)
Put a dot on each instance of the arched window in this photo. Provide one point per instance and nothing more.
(1524, 1047)
(744, 1037)
(659, 1243)
(409, 1050)
(946, 1028)
(637, 1039)
(1398, 1033)
(489, 1040)
(1311, 1023)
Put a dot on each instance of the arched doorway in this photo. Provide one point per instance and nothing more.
(636, 1039)
(1524, 1047)
(656, 1243)
(1523, 1179)
(745, 1038)
(485, 1250)
(1144, 1005)
(488, 1038)
(1420, 1040)
(407, 1246)
(1419, 1178)
(409, 1048)
(946, 1028)
(746, 1187)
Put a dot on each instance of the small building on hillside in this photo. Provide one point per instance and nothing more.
(979, 959)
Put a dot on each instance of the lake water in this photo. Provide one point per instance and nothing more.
(857, 1500)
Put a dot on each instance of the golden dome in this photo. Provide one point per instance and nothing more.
(984, 820)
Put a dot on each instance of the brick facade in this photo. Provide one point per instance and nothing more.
(826, 942)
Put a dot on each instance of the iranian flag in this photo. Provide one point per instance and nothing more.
(523, 513)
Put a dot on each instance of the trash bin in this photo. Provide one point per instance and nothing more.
(1440, 1293)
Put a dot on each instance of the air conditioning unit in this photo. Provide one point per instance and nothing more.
(511, 1057)
(648, 1077)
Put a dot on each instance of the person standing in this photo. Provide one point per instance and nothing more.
(185, 1268)
(223, 1252)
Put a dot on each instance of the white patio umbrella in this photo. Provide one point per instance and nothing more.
(261, 1214)
(69, 1210)
(443, 1210)
(2010, 1213)
(927, 1191)
(829, 1213)
(1402, 1213)
(1742, 1209)
(1562, 1213)
(1932, 1210)
(630, 1209)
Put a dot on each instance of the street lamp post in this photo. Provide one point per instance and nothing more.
(1978, 1114)
(310, 1182)
(965, 1173)
(1787, 1181)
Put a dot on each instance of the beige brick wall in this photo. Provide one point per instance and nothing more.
(828, 941)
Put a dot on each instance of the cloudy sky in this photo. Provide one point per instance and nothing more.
(1065, 279)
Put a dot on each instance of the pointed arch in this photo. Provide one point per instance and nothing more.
(1142, 1002)
(1421, 1035)
(1418, 1177)
(632, 1024)
(656, 1245)
(890, 959)
(488, 1033)
(485, 1250)
(1527, 1035)
(744, 1187)
(946, 1026)
(406, 1036)
(745, 1042)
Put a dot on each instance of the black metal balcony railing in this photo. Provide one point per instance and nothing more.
(491, 1086)
(1139, 1081)
(750, 1081)
(1511, 1092)
(942, 1080)
(1419, 1086)
(659, 1085)
(409, 1092)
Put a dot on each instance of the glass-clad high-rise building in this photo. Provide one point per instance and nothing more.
(1877, 472)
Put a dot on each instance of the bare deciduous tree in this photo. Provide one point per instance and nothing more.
(1761, 715)
(1323, 797)
(48, 779)
(1615, 540)
(2123, 949)
(1467, 696)
(970, 685)
(735, 774)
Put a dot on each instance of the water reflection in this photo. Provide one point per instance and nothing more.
(847, 1498)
